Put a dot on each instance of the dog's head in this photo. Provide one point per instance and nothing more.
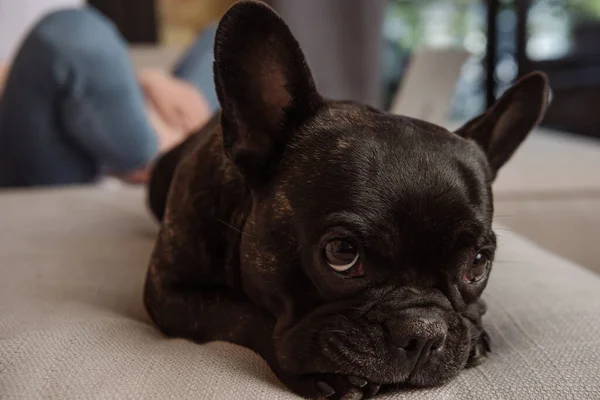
(370, 237)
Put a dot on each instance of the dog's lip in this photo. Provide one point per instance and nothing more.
(421, 362)
(389, 376)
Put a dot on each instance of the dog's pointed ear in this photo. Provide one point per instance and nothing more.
(264, 86)
(500, 130)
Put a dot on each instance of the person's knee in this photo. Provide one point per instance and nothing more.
(80, 34)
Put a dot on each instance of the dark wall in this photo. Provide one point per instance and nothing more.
(575, 79)
(575, 83)
(136, 19)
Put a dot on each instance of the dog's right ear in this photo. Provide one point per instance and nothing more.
(501, 129)
(264, 86)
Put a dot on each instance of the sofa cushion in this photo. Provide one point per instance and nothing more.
(552, 164)
(550, 192)
(72, 325)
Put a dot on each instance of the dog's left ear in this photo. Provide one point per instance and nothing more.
(501, 129)
(264, 86)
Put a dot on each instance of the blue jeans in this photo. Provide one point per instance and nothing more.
(72, 107)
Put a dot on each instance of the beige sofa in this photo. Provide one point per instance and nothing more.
(72, 325)
(550, 192)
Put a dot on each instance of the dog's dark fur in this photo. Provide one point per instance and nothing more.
(256, 195)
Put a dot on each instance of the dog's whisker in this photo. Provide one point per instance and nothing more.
(503, 216)
(504, 229)
(336, 331)
(235, 229)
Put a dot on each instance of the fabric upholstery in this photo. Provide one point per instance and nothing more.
(550, 193)
(72, 325)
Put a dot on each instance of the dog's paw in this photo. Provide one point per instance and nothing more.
(332, 387)
(346, 387)
(480, 350)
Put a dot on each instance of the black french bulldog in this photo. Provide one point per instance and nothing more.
(346, 246)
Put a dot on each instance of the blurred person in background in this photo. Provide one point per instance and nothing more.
(73, 109)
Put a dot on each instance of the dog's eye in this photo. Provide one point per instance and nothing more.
(478, 269)
(341, 255)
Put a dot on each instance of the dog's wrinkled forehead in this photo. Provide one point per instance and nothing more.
(373, 151)
(385, 168)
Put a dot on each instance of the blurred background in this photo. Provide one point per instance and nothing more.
(505, 38)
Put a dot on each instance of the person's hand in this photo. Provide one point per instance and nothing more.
(137, 177)
(180, 104)
(4, 69)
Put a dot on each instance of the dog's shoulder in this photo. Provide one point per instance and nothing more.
(206, 207)
(205, 182)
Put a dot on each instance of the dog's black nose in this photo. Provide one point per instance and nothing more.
(418, 337)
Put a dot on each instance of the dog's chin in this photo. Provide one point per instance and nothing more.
(363, 350)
